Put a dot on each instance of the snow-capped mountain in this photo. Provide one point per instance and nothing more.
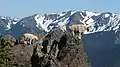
(99, 21)
(6, 23)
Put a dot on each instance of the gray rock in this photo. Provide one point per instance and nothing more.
(60, 50)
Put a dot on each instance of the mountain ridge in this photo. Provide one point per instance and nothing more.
(105, 21)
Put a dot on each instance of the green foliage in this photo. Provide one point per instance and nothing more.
(4, 53)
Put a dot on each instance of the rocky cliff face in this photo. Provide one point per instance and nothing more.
(60, 50)
(56, 49)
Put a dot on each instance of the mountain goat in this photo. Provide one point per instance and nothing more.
(79, 28)
(30, 37)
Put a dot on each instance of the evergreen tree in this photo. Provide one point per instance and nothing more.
(4, 53)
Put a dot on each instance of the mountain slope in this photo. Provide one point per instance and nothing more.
(98, 21)
(25, 25)
(6, 23)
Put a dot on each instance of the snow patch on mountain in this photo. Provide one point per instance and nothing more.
(39, 20)
(8, 26)
(49, 24)
(6, 23)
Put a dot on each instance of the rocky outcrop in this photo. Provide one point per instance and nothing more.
(56, 49)
(59, 49)
(21, 54)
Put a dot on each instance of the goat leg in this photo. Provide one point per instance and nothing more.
(73, 33)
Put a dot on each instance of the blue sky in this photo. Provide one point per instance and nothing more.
(22, 8)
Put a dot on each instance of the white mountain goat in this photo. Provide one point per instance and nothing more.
(79, 28)
(30, 37)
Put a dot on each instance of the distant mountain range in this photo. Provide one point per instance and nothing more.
(102, 43)
(38, 23)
